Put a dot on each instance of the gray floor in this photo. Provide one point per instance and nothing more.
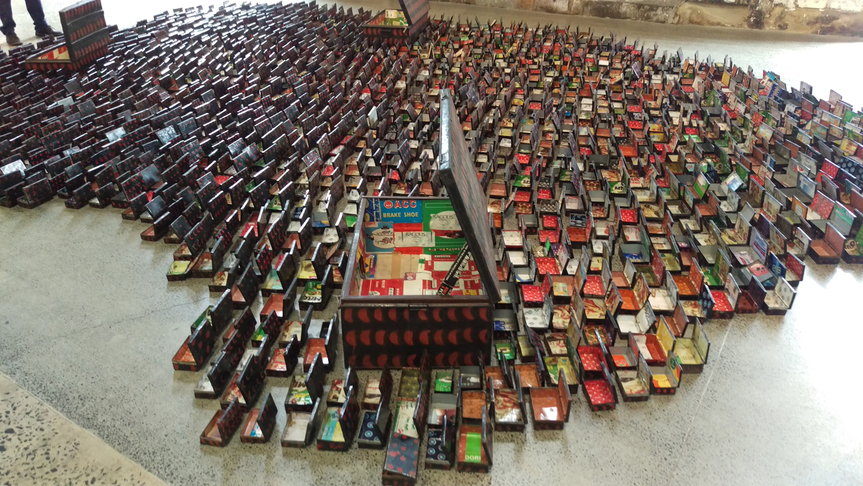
(88, 324)
(41, 446)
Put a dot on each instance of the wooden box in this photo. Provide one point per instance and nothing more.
(374, 427)
(260, 423)
(86, 39)
(664, 380)
(402, 460)
(600, 392)
(340, 424)
(300, 426)
(507, 405)
(634, 382)
(693, 348)
(399, 26)
(475, 445)
(222, 426)
(440, 445)
(551, 406)
(779, 300)
(430, 262)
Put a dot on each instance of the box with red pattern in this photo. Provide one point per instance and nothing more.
(395, 239)
(396, 27)
(599, 391)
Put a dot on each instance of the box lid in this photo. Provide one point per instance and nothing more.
(415, 10)
(468, 198)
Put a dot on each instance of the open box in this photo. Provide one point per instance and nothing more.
(664, 298)
(440, 450)
(714, 276)
(638, 323)
(402, 460)
(693, 348)
(634, 383)
(664, 380)
(300, 426)
(791, 268)
(689, 285)
(551, 406)
(294, 327)
(340, 424)
(589, 355)
(752, 292)
(197, 348)
(654, 348)
(725, 299)
(337, 395)
(222, 426)
(776, 241)
(284, 360)
(390, 307)
(739, 233)
(374, 427)
(375, 411)
(626, 278)
(827, 250)
(599, 390)
(247, 385)
(779, 300)
(475, 443)
(507, 404)
(473, 402)
(634, 300)
(378, 390)
(216, 378)
(321, 340)
(422, 275)
(579, 228)
(751, 254)
(622, 362)
(86, 38)
(399, 26)
(853, 248)
(269, 328)
(260, 423)
(563, 360)
(818, 214)
(304, 392)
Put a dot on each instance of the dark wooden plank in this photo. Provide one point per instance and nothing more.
(468, 198)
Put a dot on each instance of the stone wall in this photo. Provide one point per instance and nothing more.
(840, 17)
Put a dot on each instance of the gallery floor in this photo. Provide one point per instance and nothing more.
(88, 325)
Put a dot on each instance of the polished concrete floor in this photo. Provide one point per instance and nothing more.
(38, 445)
(88, 325)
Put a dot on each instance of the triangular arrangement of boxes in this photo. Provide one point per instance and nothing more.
(508, 214)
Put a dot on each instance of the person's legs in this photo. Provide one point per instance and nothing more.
(6, 17)
(34, 7)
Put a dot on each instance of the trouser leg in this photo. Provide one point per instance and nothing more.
(6, 17)
(34, 7)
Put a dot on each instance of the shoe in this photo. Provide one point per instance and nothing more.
(13, 40)
(47, 31)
